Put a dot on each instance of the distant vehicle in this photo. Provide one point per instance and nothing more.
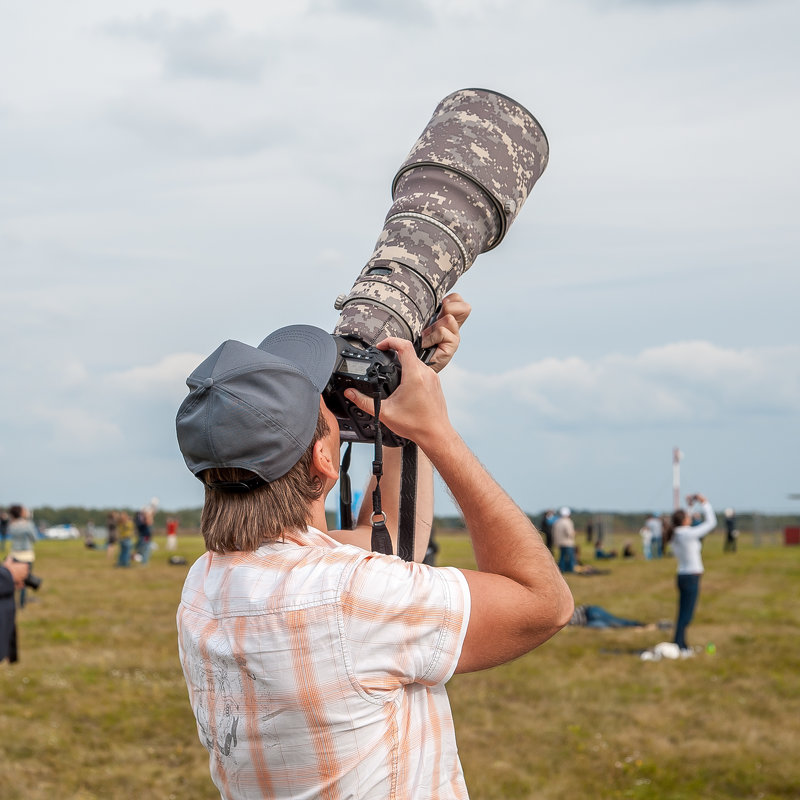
(62, 532)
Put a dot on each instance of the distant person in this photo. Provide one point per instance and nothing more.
(89, 539)
(646, 535)
(731, 534)
(587, 616)
(4, 520)
(12, 577)
(599, 533)
(627, 550)
(22, 539)
(125, 526)
(564, 539)
(546, 527)
(601, 554)
(656, 526)
(144, 533)
(666, 526)
(589, 531)
(432, 551)
(111, 534)
(686, 540)
(172, 533)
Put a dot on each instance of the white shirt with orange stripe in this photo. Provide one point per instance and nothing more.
(317, 670)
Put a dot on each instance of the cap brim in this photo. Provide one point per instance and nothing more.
(311, 349)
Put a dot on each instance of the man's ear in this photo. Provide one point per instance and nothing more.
(322, 463)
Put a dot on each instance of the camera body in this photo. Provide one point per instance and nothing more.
(33, 581)
(370, 371)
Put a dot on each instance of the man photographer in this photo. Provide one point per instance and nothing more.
(315, 667)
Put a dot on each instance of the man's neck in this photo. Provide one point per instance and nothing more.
(318, 519)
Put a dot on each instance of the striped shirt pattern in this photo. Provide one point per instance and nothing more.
(317, 670)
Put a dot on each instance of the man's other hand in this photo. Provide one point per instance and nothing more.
(445, 334)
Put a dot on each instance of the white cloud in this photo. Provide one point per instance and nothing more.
(69, 374)
(685, 382)
(166, 378)
(408, 12)
(160, 121)
(74, 432)
(200, 47)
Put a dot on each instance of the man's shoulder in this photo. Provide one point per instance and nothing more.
(292, 573)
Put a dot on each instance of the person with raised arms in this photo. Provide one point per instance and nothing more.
(315, 667)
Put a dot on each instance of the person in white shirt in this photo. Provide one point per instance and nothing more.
(316, 667)
(564, 539)
(686, 546)
(656, 527)
(647, 538)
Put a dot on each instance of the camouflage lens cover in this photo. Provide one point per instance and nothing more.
(455, 196)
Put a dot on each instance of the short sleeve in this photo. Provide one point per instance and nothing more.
(403, 622)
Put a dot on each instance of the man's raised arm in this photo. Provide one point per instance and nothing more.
(518, 597)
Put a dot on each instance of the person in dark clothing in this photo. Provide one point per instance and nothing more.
(4, 520)
(144, 533)
(431, 552)
(601, 554)
(599, 535)
(731, 534)
(546, 527)
(12, 576)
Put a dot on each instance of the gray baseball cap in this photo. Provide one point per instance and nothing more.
(256, 408)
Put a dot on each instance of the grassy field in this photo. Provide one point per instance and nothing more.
(97, 707)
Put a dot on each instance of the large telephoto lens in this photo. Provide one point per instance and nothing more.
(455, 196)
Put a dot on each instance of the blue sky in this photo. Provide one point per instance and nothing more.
(179, 174)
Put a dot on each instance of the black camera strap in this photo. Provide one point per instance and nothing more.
(408, 502)
(345, 492)
(381, 541)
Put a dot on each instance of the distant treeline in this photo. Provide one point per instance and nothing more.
(613, 522)
(45, 516)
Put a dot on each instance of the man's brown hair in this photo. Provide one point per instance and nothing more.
(243, 521)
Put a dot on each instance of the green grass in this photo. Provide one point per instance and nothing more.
(97, 706)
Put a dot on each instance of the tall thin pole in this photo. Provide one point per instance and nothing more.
(676, 477)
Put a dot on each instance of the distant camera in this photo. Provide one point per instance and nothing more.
(33, 581)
